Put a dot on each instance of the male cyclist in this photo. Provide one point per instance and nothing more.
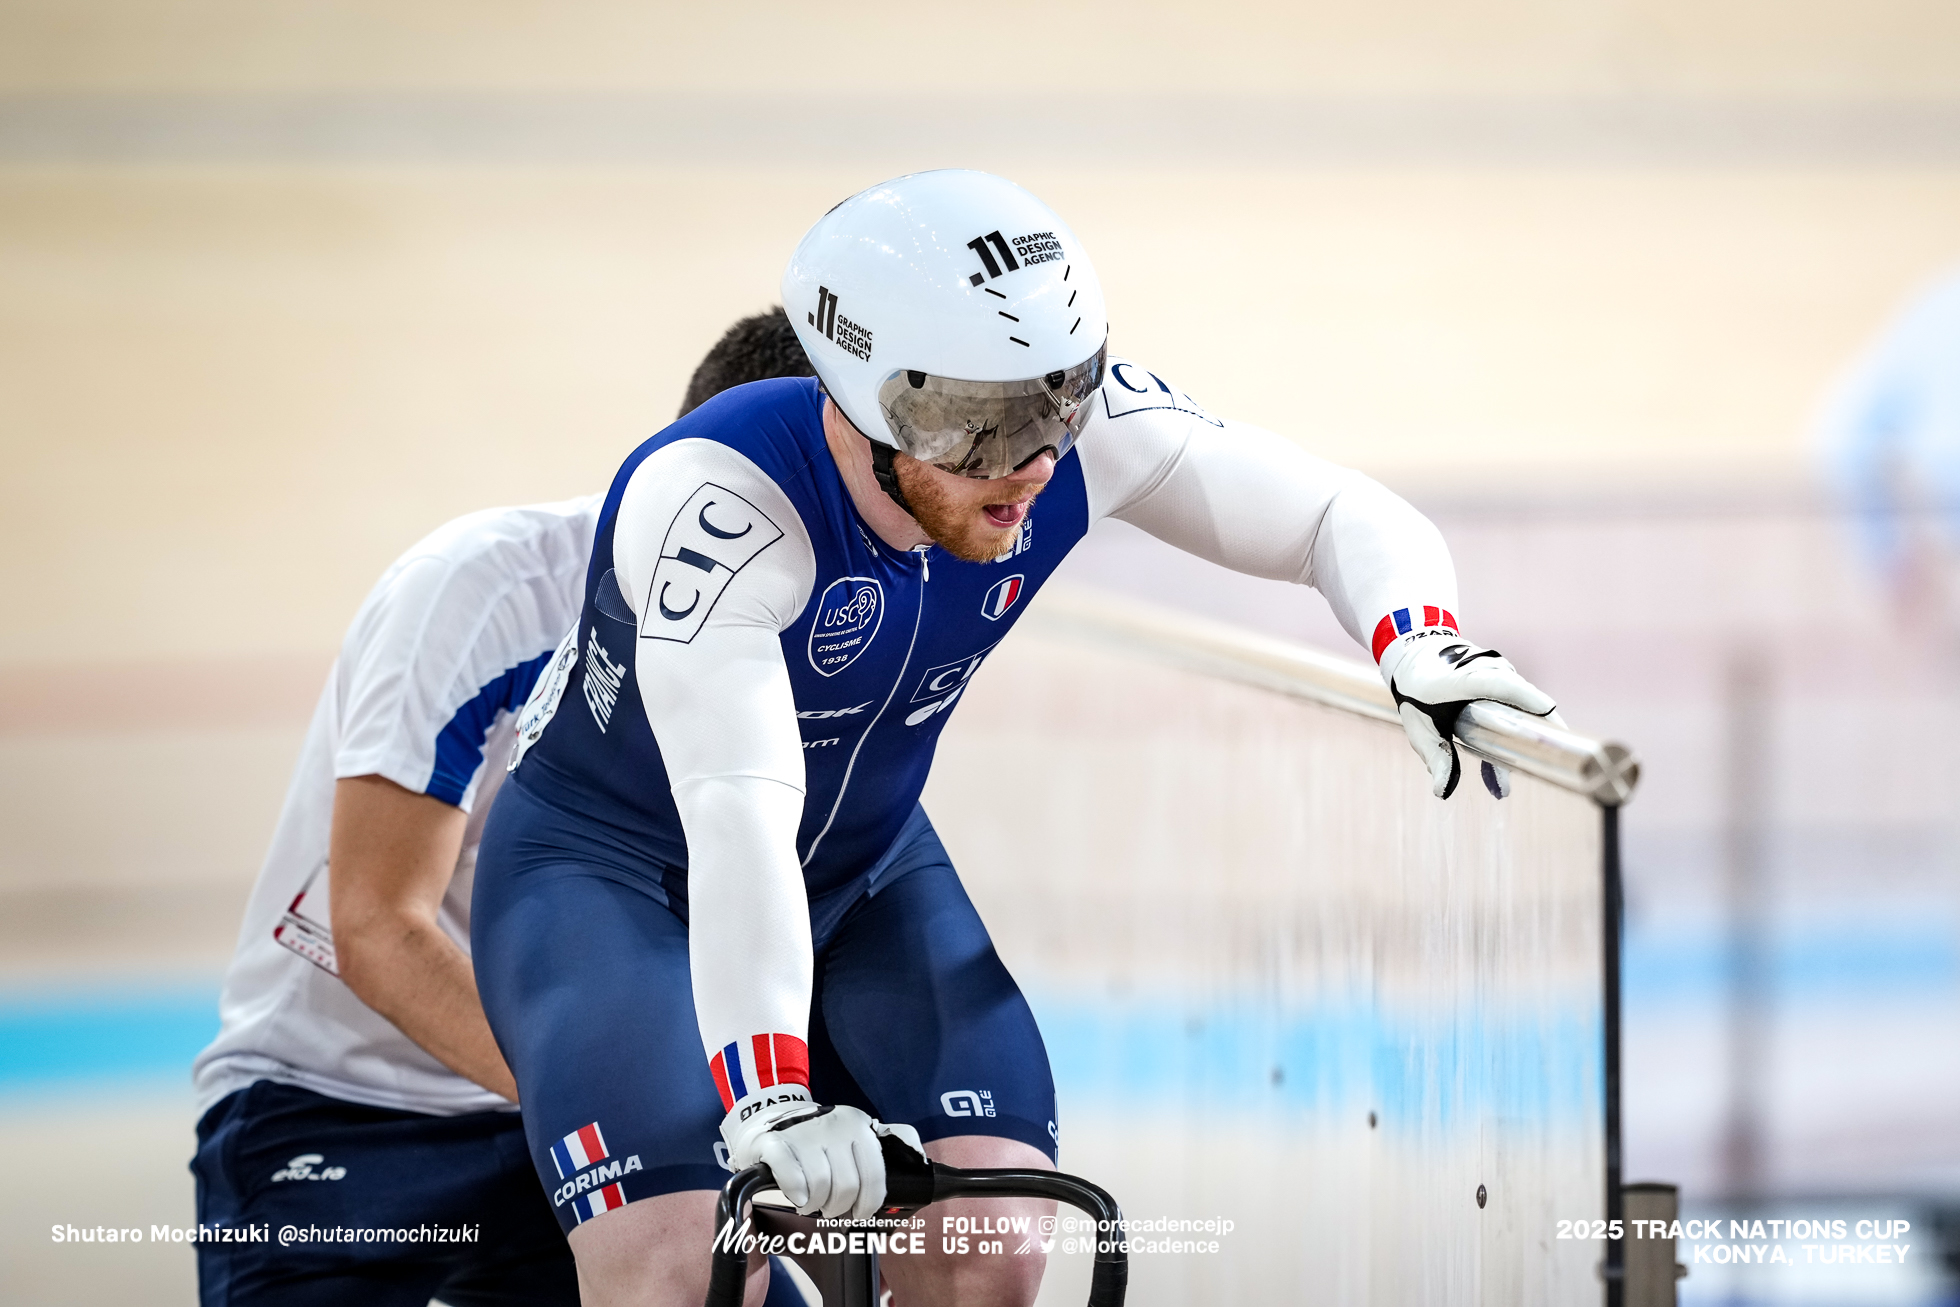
(711, 920)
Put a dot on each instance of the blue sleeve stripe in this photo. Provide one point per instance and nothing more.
(459, 748)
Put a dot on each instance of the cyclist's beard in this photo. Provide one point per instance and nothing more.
(954, 519)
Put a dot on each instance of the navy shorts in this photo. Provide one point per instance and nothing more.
(274, 1155)
(583, 969)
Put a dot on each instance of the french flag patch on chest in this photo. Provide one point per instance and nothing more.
(1002, 596)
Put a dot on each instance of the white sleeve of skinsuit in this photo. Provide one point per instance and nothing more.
(1255, 502)
(720, 705)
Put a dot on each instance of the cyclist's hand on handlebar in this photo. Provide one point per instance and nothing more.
(826, 1160)
(1433, 673)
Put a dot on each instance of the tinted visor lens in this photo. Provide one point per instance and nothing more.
(988, 429)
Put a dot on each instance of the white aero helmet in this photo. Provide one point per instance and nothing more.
(952, 316)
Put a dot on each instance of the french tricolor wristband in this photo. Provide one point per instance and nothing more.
(1404, 620)
(762, 1062)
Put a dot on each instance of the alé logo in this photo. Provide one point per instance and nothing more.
(1001, 596)
(967, 1102)
(848, 615)
(1023, 539)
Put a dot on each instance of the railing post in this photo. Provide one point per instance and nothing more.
(1614, 1268)
(1651, 1271)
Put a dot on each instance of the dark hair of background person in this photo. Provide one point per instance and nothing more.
(754, 349)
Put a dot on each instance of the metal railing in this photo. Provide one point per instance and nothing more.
(1604, 771)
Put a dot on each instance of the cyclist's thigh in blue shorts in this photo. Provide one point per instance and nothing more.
(583, 969)
(391, 1208)
(916, 1018)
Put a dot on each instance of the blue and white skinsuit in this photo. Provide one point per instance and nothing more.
(713, 842)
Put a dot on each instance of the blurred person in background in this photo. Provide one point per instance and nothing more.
(1890, 433)
(354, 1081)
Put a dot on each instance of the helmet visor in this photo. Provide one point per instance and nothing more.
(988, 429)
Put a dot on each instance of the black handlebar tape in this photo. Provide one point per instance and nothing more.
(910, 1180)
(728, 1270)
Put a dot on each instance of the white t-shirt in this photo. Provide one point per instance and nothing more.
(444, 650)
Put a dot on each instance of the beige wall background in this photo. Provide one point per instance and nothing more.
(1864, 48)
(283, 288)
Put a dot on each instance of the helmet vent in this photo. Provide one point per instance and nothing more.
(1055, 379)
(918, 379)
(996, 294)
(1071, 330)
(1022, 343)
(1005, 314)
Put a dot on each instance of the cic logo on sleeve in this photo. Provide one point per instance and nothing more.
(714, 536)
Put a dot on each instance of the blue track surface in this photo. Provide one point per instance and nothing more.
(1221, 1053)
(49, 1038)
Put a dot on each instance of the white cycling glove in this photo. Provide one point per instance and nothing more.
(826, 1160)
(1433, 672)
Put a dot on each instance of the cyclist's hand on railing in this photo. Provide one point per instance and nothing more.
(826, 1160)
(1433, 677)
